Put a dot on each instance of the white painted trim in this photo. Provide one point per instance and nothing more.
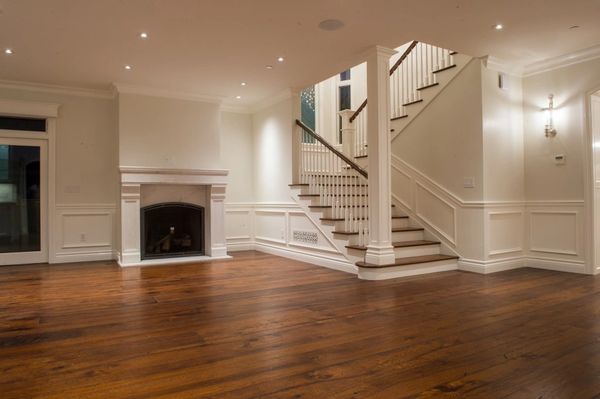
(165, 171)
(550, 250)
(123, 88)
(174, 261)
(56, 89)
(84, 256)
(452, 240)
(28, 108)
(490, 266)
(562, 61)
(560, 265)
(496, 64)
(312, 258)
(385, 273)
(86, 206)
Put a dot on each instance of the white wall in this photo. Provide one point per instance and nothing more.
(237, 155)
(168, 133)
(272, 144)
(86, 174)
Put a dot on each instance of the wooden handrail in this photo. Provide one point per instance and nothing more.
(321, 140)
(403, 56)
(392, 70)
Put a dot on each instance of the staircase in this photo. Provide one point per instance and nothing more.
(333, 185)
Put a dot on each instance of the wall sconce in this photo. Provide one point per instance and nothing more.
(549, 129)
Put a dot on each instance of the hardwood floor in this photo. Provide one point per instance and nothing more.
(259, 326)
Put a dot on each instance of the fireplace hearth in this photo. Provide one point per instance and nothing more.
(172, 229)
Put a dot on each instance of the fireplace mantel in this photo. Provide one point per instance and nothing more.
(132, 180)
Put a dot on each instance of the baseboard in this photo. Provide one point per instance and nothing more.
(291, 253)
(88, 256)
(559, 265)
(490, 266)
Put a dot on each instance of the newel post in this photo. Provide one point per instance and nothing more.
(348, 133)
(380, 250)
(296, 136)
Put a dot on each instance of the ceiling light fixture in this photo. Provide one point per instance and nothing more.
(574, 27)
(243, 83)
(498, 26)
(238, 97)
(269, 66)
(280, 59)
(128, 67)
(8, 51)
(144, 35)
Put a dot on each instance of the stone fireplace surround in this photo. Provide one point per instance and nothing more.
(133, 180)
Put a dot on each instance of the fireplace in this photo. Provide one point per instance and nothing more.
(172, 229)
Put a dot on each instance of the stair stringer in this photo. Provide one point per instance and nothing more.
(428, 95)
(348, 264)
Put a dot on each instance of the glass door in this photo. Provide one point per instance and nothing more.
(23, 201)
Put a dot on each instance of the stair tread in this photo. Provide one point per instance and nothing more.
(399, 244)
(360, 156)
(399, 117)
(412, 102)
(427, 86)
(410, 260)
(342, 219)
(445, 68)
(309, 195)
(298, 185)
(394, 230)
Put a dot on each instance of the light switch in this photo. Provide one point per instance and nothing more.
(559, 159)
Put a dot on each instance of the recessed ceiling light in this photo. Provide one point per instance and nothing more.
(331, 24)
(574, 27)
(144, 35)
(238, 97)
(8, 51)
(269, 66)
(128, 67)
(243, 83)
(280, 59)
(498, 26)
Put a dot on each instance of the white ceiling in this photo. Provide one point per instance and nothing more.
(208, 47)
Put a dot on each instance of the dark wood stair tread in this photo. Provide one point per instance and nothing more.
(320, 206)
(427, 86)
(401, 229)
(444, 69)
(299, 185)
(413, 102)
(309, 195)
(399, 244)
(361, 156)
(399, 117)
(342, 219)
(410, 260)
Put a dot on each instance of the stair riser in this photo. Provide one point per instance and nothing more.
(396, 236)
(396, 223)
(401, 252)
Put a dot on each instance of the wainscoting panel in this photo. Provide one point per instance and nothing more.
(270, 225)
(403, 187)
(84, 232)
(505, 232)
(554, 232)
(302, 232)
(238, 224)
(436, 212)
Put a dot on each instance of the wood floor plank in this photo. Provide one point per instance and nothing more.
(260, 326)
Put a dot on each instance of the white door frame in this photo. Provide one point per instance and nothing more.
(41, 256)
(48, 111)
(590, 178)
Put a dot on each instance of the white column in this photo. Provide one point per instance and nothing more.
(218, 243)
(380, 250)
(130, 225)
(296, 137)
(348, 133)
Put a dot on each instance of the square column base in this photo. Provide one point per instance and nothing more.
(380, 256)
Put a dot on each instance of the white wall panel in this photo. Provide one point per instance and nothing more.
(436, 212)
(270, 225)
(554, 232)
(505, 232)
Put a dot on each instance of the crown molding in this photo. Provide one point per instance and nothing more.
(562, 61)
(123, 88)
(56, 89)
(497, 64)
(236, 108)
(271, 100)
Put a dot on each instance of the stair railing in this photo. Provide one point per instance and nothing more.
(340, 183)
(414, 70)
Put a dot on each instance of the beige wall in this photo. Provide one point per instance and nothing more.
(503, 148)
(86, 140)
(168, 133)
(272, 142)
(544, 180)
(236, 155)
(448, 147)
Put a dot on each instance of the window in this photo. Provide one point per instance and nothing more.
(345, 75)
(344, 102)
(24, 124)
(308, 112)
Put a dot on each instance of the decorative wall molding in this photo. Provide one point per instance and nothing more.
(503, 238)
(56, 89)
(499, 65)
(561, 61)
(553, 233)
(28, 108)
(84, 232)
(123, 88)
